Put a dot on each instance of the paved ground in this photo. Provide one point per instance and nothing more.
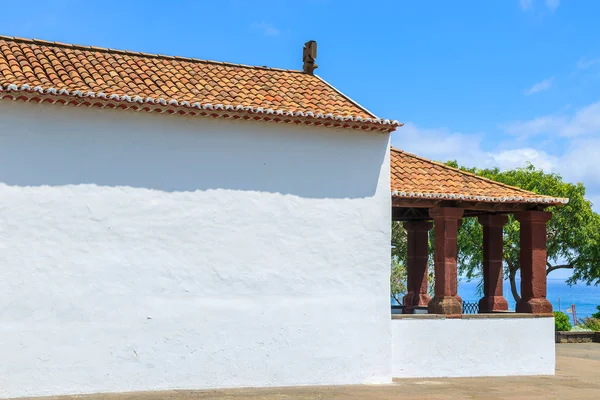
(577, 377)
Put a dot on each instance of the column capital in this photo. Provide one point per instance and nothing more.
(418, 226)
(447, 213)
(498, 220)
(539, 217)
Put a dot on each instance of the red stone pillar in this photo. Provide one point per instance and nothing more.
(493, 299)
(446, 299)
(532, 260)
(416, 265)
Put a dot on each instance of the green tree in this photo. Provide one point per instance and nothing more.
(573, 231)
(398, 275)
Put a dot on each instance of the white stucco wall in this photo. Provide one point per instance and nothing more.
(142, 252)
(433, 348)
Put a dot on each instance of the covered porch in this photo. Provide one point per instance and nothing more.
(428, 195)
(439, 341)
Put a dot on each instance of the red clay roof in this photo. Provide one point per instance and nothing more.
(147, 81)
(413, 176)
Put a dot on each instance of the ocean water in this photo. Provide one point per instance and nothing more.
(585, 298)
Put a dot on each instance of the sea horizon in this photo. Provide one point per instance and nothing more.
(562, 296)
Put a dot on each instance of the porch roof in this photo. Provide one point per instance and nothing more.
(414, 177)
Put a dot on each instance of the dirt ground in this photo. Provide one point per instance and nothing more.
(577, 377)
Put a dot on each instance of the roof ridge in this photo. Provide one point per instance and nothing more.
(467, 173)
(142, 54)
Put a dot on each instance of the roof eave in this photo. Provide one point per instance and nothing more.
(15, 91)
(541, 200)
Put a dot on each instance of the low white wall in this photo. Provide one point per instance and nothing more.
(435, 348)
(144, 252)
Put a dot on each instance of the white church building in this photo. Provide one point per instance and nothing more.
(168, 222)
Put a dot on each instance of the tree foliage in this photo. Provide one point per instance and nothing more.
(591, 323)
(573, 231)
(398, 275)
(561, 321)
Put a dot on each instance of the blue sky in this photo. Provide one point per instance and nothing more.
(489, 83)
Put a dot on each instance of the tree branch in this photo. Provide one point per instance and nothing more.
(512, 276)
(395, 296)
(555, 267)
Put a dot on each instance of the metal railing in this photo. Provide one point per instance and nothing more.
(399, 309)
(470, 308)
(467, 308)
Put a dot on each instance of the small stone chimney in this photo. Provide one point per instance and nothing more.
(309, 55)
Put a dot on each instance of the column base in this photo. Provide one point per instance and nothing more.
(489, 304)
(412, 300)
(449, 305)
(539, 305)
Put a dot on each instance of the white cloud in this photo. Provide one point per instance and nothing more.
(567, 143)
(580, 163)
(584, 122)
(533, 126)
(444, 145)
(519, 157)
(575, 138)
(552, 4)
(585, 63)
(440, 144)
(540, 86)
(265, 28)
(576, 162)
(526, 4)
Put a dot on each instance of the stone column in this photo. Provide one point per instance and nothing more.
(445, 228)
(532, 261)
(493, 299)
(416, 265)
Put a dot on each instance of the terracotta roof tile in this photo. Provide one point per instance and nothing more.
(27, 64)
(413, 176)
